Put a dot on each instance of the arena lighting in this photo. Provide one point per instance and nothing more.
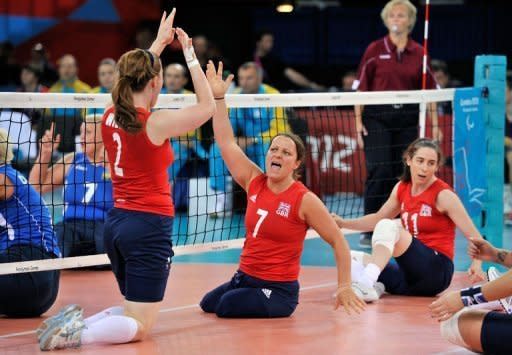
(284, 6)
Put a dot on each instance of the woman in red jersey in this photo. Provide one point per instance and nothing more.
(279, 211)
(423, 243)
(138, 228)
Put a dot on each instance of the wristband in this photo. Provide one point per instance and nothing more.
(192, 63)
(189, 54)
(472, 295)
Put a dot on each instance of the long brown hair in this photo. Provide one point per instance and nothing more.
(299, 147)
(135, 69)
(413, 148)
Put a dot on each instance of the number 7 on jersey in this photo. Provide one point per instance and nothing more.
(263, 214)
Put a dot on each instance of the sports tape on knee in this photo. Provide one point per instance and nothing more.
(386, 233)
(450, 329)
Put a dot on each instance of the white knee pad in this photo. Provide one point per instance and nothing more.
(450, 329)
(386, 233)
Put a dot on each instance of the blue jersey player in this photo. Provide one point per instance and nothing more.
(87, 188)
(26, 233)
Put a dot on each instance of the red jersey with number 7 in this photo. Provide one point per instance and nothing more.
(275, 233)
(421, 218)
(138, 167)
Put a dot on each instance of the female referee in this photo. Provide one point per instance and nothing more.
(279, 211)
(138, 228)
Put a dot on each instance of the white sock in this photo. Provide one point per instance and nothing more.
(372, 271)
(112, 311)
(358, 274)
(111, 329)
(356, 270)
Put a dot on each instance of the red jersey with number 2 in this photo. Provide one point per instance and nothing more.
(275, 233)
(421, 218)
(138, 167)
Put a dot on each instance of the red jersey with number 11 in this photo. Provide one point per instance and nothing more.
(421, 218)
(275, 233)
(138, 167)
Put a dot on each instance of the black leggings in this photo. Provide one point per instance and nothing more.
(28, 294)
(249, 297)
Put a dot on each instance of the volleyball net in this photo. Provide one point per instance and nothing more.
(209, 206)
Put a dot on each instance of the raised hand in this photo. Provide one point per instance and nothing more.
(218, 86)
(186, 45)
(165, 34)
(48, 144)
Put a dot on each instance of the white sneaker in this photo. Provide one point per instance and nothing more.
(506, 303)
(365, 292)
(64, 312)
(64, 333)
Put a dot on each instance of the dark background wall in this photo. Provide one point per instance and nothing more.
(321, 43)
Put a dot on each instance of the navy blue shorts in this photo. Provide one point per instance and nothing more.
(496, 328)
(249, 297)
(420, 271)
(139, 247)
(28, 294)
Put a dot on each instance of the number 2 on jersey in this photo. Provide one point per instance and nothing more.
(263, 214)
(117, 138)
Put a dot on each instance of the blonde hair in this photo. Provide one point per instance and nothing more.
(411, 9)
(6, 155)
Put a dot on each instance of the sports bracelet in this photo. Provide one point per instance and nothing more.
(472, 295)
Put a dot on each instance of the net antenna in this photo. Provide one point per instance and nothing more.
(423, 106)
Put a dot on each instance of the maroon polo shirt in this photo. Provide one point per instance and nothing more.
(384, 68)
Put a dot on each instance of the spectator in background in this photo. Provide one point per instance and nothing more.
(275, 72)
(442, 75)
(201, 45)
(40, 60)
(189, 144)
(67, 121)
(9, 79)
(30, 80)
(390, 63)
(253, 128)
(347, 81)
(106, 73)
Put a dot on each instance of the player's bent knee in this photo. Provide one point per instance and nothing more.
(207, 304)
(450, 330)
(386, 233)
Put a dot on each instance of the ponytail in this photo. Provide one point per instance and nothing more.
(125, 112)
(136, 68)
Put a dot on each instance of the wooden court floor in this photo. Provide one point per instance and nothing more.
(394, 325)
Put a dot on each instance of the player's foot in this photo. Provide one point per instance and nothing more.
(64, 312)
(63, 333)
(365, 292)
